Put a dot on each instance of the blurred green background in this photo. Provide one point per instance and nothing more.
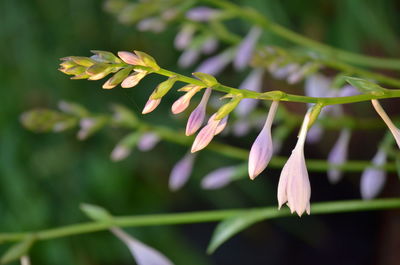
(44, 177)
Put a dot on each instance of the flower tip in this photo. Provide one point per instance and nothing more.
(151, 105)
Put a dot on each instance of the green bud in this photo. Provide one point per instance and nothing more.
(164, 87)
(117, 78)
(228, 107)
(366, 87)
(18, 250)
(148, 60)
(339, 81)
(67, 64)
(207, 79)
(75, 70)
(83, 61)
(99, 71)
(104, 56)
(315, 111)
(96, 213)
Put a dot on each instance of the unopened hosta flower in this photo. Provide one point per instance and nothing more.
(147, 141)
(393, 129)
(261, 151)
(133, 79)
(183, 102)
(338, 155)
(246, 47)
(252, 82)
(218, 178)
(181, 172)
(373, 179)
(208, 132)
(197, 116)
(151, 105)
(209, 45)
(294, 185)
(143, 254)
(130, 58)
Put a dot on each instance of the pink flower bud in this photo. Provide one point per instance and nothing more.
(202, 13)
(181, 172)
(221, 125)
(130, 58)
(133, 79)
(196, 118)
(294, 185)
(183, 102)
(143, 254)
(205, 135)
(151, 105)
(261, 150)
(218, 178)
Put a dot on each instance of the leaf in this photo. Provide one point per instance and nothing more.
(18, 250)
(366, 86)
(95, 212)
(233, 225)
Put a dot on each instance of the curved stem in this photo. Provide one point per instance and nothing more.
(331, 52)
(198, 217)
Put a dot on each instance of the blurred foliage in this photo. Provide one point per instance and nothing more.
(44, 177)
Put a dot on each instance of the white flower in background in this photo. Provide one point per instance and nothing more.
(25, 260)
(181, 172)
(294, 185)
(262, 149)
(338, 155)
(218, 178)
(253, 82)
(394, 130)
(246, 48)
(143, 254)
(373, 179)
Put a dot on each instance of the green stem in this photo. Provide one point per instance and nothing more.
(326, 50)
(198, 217)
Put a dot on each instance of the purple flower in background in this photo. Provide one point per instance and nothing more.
(338, 155)
(206, 134)
(202, 14)
(218, 178)
(188, 57)
(214, 65)
(151, 24)
(261, 150)
(181, 172)
(252, 82)
(241, 127)
(246, 47)
(284, 71)
(25, 260)
(209, 45)
(147, 141)
(184, 37)
(373, 179)
(197, 116)
(143, 254)
(294, 185)
(393, 129)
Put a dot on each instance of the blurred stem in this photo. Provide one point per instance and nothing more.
(255, 17)
(199, 217)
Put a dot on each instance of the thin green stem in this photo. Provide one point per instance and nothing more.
(325, 50)
(198, 217)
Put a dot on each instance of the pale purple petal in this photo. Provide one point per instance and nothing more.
(218, 178)
(241, 127)
(338, 155)
(130, 58)
(315, 134)
(210, 45)
(197, 116)
(221, 125)
(188, 57)
(133, 79)
(151, 105)
(214, 65)
(252, 82)
(348, 91)
(181, 172)
(183, 102)
(317, 85)
(205, 136)
(120, 152)
(283, 72)
(373, 179)
(202, 14)
(246, 47)
(148, 141)
(151, 24)
(184, 37)
(143, 254)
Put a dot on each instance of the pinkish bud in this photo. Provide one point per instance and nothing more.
(181, 172)
(215, 64)
(133, 79)
(188, 57)
(205, 135)
(183, 102)
(221, 125)
(147, 141)
(130, 58)
(261, 150)
(151, 105)
(196, 118)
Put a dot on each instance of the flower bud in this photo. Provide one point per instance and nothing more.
(164, 87)
(181, 172)
(205, 135)
(228, 107)
(148, 60)
(133, 79)
(183, 102)
(151, 105)
(373, 178)
(130, 58)
(338, 155)
(117, 78)
(218, 178)
(394, 130)
(147, 141)
(197, 116)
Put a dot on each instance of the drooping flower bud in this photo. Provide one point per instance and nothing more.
(151, 105)
(143, 254)
(133, 79)
(25, 260)
(394, 130)
(117, 78)
(338, 155)
(188, 57)
(262, 149)
(246, 47)
(294, 185)
(197, 116)
(205, 135)
(181, 172)
(183, 102)
(89, 126)
(130, 58)
(373, 178)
